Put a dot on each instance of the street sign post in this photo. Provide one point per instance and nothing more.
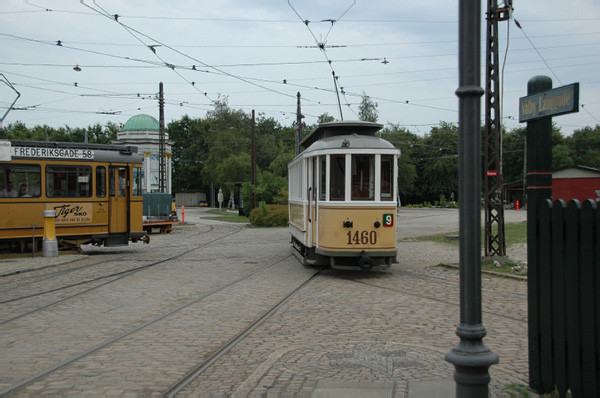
(559, 101)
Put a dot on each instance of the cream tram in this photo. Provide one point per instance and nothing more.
(95, 191)
(343, 197)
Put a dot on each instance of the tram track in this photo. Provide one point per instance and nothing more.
(117, 276)
(457, 284)
(34, 276)
(435, 299)
(17, 386)
(199, 369)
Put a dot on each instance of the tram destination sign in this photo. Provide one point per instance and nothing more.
(558, 101)
(52, 153)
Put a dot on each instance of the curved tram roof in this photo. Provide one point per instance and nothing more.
(351, 134)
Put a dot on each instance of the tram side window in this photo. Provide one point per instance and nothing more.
(323, 177)
(387, 177)
(101, 181)
(20, 181)
(68, 181)
(138, 177)
(363, 171)
(337, 173)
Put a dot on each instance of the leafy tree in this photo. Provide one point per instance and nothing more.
(325, 118)
(584, 147)
(367, 110)
(190, 152)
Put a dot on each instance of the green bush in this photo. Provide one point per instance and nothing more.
(269, 216)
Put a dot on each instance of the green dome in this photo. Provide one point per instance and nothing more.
(141, 123)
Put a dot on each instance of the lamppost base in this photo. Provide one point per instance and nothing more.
(471, 359)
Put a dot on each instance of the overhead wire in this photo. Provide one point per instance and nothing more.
(549, 68)
(115, 17)
(322, 46)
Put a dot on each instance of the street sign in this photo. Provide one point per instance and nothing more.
(492, 173)
(559, 101)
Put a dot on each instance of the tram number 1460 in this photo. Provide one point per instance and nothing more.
(362, 237)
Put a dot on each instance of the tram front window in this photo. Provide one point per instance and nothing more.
(363, 176)
(337, 177)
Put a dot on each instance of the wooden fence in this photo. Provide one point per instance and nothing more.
(564, 299)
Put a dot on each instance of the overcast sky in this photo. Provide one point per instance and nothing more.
(259, 54)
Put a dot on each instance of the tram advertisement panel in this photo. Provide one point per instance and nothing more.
(71, 213)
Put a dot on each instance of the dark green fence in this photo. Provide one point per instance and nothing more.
(564, 299)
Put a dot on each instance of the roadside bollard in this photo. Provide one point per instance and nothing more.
(183, 214)
(50, 244)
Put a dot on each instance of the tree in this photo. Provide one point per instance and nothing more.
(367, 110)
(190, 152)
(325, 118)
(584, 147)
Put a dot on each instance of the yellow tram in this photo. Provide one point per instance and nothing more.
(94, 189)
(343, 197)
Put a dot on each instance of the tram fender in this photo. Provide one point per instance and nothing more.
(365, 263)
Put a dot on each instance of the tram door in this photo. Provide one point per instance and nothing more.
(118, 188)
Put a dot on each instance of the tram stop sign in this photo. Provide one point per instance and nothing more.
(558, 101)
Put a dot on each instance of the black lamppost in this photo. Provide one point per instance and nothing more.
(471, 358)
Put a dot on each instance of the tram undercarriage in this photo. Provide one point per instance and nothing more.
(343, 260)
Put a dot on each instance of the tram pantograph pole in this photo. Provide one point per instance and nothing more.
(471, 358)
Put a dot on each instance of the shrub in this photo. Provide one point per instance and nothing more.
(269, 216)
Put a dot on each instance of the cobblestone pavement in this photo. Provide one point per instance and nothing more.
(390, 328)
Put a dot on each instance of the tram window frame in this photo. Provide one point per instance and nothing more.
(137, 188)
(337, 177)
(387, 177)
(323, 177)
(123, 182)
(65, 181)
(363, 177)
(25, 179)
(101, 181)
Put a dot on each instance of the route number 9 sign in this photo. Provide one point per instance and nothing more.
(388, 220)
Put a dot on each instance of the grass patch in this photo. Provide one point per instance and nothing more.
(514, 233)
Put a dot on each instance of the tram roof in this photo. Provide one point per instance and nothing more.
(343, 127)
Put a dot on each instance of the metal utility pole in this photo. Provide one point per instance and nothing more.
(253, 171)
(471, 358)
(495, 244)
(161, 141)
(299, 130)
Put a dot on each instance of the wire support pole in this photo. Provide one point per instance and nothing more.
(494, 238)
(471, 358)
(161, 140)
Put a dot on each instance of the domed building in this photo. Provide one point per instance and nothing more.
(143, 132)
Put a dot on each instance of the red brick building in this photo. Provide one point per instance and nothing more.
(576, 182)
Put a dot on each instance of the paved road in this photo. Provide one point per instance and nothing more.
(146, 320)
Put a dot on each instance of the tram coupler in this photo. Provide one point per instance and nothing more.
(365, 263)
